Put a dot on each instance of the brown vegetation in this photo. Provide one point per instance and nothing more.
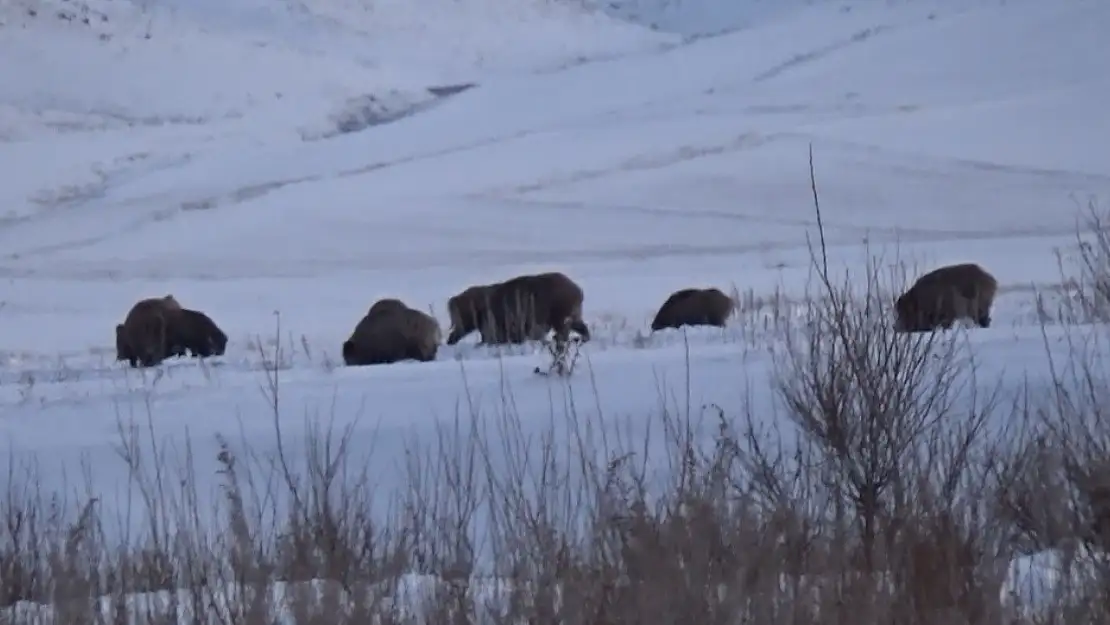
(891, 483)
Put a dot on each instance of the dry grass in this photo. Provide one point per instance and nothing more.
(890, 483)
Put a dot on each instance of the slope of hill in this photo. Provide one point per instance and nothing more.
(270, 68)
(207, 161)
(691, 161)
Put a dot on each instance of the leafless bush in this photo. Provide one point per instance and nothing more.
(893, 459)
(887, 479)
(564, 352)
(1086, 270)
(499, 519)
(1058, 495)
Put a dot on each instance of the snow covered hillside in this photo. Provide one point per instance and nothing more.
(270, 71)
(308, 158)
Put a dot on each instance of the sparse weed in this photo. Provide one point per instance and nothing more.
(816, 523)
(889, 481)
(26, 386)
(1085, 270)
(563, 353)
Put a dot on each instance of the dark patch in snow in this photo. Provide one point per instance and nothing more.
(450, 90)
(376, 109)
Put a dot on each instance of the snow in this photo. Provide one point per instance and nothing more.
(252, 157)
(410, 590)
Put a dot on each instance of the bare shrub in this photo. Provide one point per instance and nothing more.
(1058, 496)
(563, 351)
(886, 480)
(895, 454)
(1086, 269)
(501, 520)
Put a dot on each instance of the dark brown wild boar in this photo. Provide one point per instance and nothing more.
(391, 332)
(142, 337)
(694, 307)
(468, 311)
(519, 309)
(945, 295)
(197, 332)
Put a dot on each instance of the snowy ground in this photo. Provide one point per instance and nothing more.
(231, 153)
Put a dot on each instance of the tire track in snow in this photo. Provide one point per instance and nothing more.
(239, 194)
(62, 206)
(246, 193)
(907, 162)
(643, 162)
(260, 189)
(849, 233)
(897, 233)
(980, 165)
(820, 53)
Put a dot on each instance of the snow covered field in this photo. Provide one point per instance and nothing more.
(309, 158)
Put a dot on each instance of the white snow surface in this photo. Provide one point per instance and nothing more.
(416, 591)
(190, 147)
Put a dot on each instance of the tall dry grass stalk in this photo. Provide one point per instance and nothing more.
(887, 481)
